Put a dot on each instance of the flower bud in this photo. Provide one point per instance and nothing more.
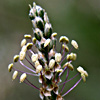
(34, 57)
(51, 63)
(64, 39)
(10, 66)
(23, 77)
(46, 19)
(32, 12)
(27, 36)
(29, 45)
(38, 23)
(40, 11)
(38, 34)
(38, 68)
(22, 55)
(47, 42)
(74, 44)
(58, 57)
(15, 74)
(65, 47)
(47, 30)
(23, 42)
(16, 58)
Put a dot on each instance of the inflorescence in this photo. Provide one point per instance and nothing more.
(40, 52)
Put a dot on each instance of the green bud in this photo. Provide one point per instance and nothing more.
(38, 34)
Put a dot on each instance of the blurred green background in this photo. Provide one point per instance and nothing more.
(77, 19)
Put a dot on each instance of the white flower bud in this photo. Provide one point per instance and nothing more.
(38, 68)
(74, 44)
(23, 77)
(47, 30)
(34, 4)
(22, 55)
(34, 57)
(15, 74)
(24, 48)
(10, 66)
(47, 26)
(46, 19)
(47, 42)
(51, 63)
(23, 42)
(58, 57)
(38, 19)
(38, 31)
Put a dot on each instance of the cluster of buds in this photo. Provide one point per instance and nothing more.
(40, 52)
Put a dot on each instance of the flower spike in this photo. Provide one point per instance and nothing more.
(40, 57)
